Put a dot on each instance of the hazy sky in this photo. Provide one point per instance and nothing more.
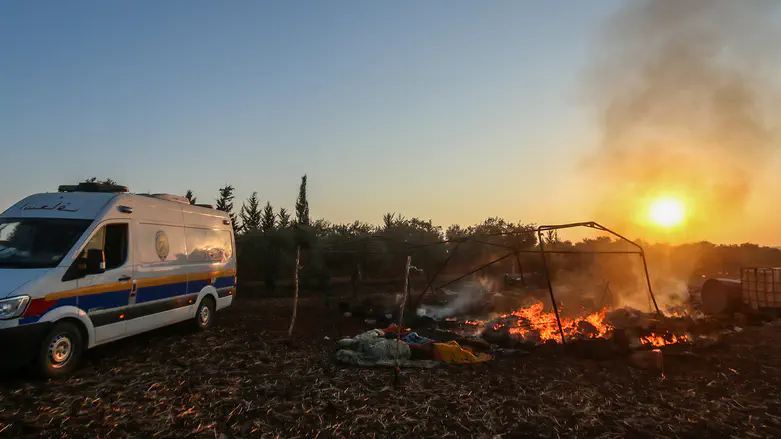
(446, 110)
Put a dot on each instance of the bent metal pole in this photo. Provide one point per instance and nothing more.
(550, 285)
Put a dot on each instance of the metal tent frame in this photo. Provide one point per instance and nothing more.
(596, 226)
(542, 251)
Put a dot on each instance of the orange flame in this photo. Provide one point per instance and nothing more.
(659, 341)
(535, 320)
(537, 325)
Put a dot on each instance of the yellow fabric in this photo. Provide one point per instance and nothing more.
(452, 353)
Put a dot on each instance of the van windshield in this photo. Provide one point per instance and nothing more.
(37, 242)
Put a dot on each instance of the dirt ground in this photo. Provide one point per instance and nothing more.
(243, 378)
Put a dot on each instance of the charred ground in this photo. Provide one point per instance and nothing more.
(244, 378)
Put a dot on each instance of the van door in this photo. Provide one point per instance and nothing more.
(105, 297)
(161, 277)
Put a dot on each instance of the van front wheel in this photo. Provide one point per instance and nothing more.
(60, 351)
(205, 314)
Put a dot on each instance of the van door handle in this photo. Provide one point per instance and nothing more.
(124, 278)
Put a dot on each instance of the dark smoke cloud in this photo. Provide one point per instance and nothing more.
(683, 91)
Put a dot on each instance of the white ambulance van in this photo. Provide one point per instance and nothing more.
(92, 263)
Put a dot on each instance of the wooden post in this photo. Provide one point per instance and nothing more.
(406, 294)
(401, 320)
(295, 300)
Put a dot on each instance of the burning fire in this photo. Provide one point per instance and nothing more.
(533, 321)
(658, 341)
(537, 325)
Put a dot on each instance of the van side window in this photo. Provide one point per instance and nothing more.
(113, 240)
(206, 245)
(116, 245)
(95, 243)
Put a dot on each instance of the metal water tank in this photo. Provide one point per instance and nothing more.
(721, 296)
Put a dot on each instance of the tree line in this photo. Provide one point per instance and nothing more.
(267, 239)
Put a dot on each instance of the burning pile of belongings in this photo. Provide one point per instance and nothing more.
(625, 328)
(460, 341)
(533, 326)
(395, 347)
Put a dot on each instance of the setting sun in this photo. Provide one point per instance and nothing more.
(666, 212)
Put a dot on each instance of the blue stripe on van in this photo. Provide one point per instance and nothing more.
(28, 320)
(158, 292)
(110, 300)
(224, 282)
(116, 299)
(195, 286)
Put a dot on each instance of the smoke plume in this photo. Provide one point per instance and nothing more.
(617, 281)
(683, 91)
(464, 298)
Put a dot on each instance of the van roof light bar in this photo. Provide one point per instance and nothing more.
(92, 187)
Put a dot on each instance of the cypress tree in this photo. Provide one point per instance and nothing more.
(190, 196)
(302, 205)
(225, 204)
(268, 219)
(250, 214)
(284, 218)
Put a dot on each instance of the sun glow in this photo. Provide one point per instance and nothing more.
(666, 212)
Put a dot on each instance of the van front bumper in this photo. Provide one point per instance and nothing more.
(20, 343)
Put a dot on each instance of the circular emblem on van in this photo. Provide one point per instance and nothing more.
(161, 245)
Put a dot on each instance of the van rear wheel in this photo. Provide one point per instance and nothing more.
(205, 314)
(60, 351)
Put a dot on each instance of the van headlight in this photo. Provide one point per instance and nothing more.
(13, 307)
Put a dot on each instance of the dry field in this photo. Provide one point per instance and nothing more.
(245, 379)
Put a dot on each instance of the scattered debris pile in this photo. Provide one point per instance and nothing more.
(605, 333)
(395, 347)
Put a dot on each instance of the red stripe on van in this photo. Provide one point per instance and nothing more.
(38, 307)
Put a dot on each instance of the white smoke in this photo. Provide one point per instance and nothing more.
(460, 300)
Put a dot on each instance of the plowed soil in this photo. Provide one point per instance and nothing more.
(244, 378)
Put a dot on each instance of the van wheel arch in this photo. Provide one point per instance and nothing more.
(80, 326)
(208, 296)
